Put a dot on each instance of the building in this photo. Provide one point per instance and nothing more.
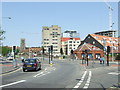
(70, 34)
(102, 42)
(109, 33)
(33, 51)
(69, 41)
(93, 51)
(69, 44)
(51, 36)
(22, 45)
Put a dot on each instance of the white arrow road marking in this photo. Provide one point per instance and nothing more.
(13, 83)
(88, 81)
(78, 84)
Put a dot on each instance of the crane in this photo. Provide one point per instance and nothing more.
(110, 23)
(110, 15)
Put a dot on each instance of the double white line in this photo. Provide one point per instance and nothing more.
(82, 79)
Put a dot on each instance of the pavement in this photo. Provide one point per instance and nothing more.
(7, 66)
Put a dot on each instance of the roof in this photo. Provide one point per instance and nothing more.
(109, 40)
(106, 31)
(88, 46)
(63, 39)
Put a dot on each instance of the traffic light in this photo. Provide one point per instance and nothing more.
(72, 51)
(61, 51)
(51, 48)
(108, 49)
(14, 48)
(43, 50)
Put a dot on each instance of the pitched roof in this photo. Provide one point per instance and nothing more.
(109, 40)
(87, 46)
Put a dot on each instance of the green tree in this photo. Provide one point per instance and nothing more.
(6, 50)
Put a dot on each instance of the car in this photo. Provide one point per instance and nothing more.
(31, 64)
(10, 58)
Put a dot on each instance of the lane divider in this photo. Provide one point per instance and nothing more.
(88, 80)
(12, 83)
(82, 79)
(47, 71)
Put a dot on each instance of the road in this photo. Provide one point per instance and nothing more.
(64, 74)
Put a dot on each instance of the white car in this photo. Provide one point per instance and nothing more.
(10, 58)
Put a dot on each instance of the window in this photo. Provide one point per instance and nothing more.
(55, 39)
(55, 46)
(77, 41)
(70, 41)
(74, 41)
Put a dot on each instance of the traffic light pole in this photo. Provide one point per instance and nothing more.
(107, 59)
(49, 54)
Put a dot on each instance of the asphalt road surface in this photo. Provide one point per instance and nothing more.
(64, 74)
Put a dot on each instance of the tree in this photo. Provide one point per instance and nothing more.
(6, 50)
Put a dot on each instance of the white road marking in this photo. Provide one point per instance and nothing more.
(114, 73)
(45, 72)
(88, 80)
(38, 74)
(78, 84)
(13, 83)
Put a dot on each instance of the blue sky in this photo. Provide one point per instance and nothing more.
(29, 17)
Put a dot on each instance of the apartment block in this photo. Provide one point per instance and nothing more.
(69, 44)
(70, 41)
(51, 36)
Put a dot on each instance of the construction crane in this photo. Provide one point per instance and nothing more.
(110, 23)
(110, 15)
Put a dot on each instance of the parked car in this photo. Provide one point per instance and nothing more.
(31, 64)
(10, 58)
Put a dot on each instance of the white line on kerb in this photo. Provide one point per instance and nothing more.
(78, 84)
(13, 83)
(88, 81)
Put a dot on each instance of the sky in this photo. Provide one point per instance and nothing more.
(27, 19)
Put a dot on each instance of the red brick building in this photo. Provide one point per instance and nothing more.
(93, 51)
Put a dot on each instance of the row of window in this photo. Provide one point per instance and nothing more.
(52, 29)
(52, 39)
(71, 45)
(74, 42)
(46, 39)
(52, 43)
